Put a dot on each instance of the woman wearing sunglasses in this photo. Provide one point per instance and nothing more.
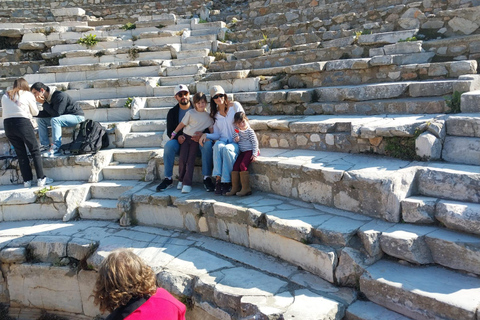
(225, 150)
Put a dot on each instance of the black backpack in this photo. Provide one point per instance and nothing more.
(88, 137)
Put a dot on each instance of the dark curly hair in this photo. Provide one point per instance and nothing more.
(214, 108)
(122, 276)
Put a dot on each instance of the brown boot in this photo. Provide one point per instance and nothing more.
(245, 181)
(235, 184)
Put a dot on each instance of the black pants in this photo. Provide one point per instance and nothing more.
(188, 153)
(19, 132)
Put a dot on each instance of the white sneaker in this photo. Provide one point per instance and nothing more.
(179, 185)
(186, 189)
(27, 184)
(44, 181)
(52, 152)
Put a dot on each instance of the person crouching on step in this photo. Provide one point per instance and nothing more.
(197, 119)
(248, 144)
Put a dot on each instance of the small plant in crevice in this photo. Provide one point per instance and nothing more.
(402, 147)
(128, 26)
(454, 102)
(160, 26)
(219, 56)
(133, 53)
(179, 33)
(88, 40)
(42, 195)
(202, 20)
(408, 39)
(128, 103)
(264, 41)
(134, 38)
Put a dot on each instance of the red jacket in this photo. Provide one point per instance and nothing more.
(161, 306)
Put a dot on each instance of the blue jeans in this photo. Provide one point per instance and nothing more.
(65, 120)
(224, 156)
(172, 149)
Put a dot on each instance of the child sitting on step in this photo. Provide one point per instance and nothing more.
(248, 144)
(194, 120)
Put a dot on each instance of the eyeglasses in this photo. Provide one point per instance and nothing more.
(218, 96)
(182, 94)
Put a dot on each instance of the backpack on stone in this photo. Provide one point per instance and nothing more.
(88, 137)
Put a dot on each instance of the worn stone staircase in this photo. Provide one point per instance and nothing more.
(337, 228)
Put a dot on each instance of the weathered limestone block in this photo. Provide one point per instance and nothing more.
(138, 103)
(462, 25)
(70, 12)
(302, 307)
(443, 183)
(458, 68)
(469, 101)
(265, 306)
(360, 310)
(419, 293)
(13, 255)
(14, 197)
(320, 260)
(45, 287)
(175, 282)
(407, 243)
(86, 283)
(459, 216)
(121, 131)
(362, 92)
(369, 235)
(428, 146)
(293, 229)
(49, 248)
(403, 47)
(73, 200)
(462, 150)
(419, 210)
(351, 265)
(305, 68)
(455, 250)
(430, 88)
(338, 231)
(386, 38)
(80, 249)
(464, 125)
(350, 64)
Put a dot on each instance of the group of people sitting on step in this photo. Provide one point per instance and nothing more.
(19, 107)
(223, 135)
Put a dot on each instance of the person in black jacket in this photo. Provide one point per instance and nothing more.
(58, 111)
(172, 147)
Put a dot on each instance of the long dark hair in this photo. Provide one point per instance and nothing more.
(18, 84)
(214, 108)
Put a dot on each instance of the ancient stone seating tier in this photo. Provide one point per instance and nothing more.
(365, 194)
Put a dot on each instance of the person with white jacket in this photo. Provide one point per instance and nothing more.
(18, 107)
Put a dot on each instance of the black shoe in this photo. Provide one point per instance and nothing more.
(226, 187)
(208, 184)
(166, 184)
(218, 187)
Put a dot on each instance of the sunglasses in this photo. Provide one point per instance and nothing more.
(218, 96)
(182, 94)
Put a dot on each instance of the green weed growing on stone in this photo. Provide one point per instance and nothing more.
(453, 102)
(202, 21)
(88, 40)
(264, 41)
(129, 26)
(134, 38)
(402, 147)
(408, 39)
(218, 55)
(128, 103)
(42, 194)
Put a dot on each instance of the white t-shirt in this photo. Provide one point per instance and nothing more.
(223, 128)
(196, 121)
(24, 107)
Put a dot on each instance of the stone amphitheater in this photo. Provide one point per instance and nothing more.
(366, 193)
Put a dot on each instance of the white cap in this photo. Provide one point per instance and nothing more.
(216, 90)
(181, 88)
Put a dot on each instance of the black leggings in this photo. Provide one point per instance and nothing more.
(19, 132)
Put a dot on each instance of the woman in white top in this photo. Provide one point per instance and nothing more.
(18, 107)
(225, 150)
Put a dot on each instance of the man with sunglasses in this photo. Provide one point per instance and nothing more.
(172, 147)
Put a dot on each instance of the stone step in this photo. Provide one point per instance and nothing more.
(462, 150)
(256, 287)
(127, 171)
(421, 293)
(464, 124)
(111, 189)
(99, 209)
(155, 113)
(365, 310)
(134, 155)
(469, 101)
(146, 126)
(450, 181)
(143, 139)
